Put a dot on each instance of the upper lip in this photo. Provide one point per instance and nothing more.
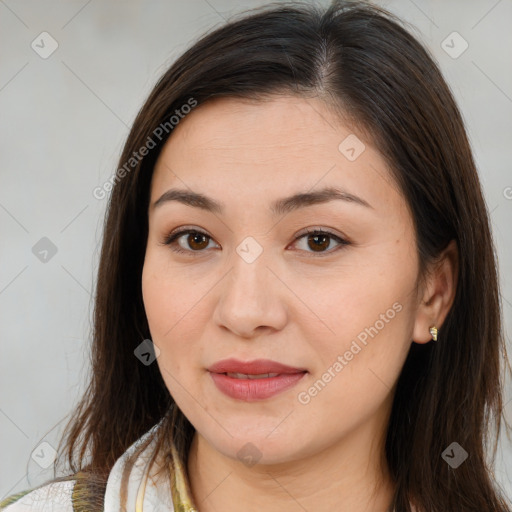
(254, 367)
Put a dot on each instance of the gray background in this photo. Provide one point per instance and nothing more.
(63, 122)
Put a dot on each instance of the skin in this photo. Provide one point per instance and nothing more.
(293, 304)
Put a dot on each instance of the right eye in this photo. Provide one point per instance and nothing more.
(195, 240)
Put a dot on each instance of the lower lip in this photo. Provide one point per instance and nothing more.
(251, 390)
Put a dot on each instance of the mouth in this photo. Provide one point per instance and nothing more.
(249, 376)
(255, 380)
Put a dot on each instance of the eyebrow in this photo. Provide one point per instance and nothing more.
(278, 207)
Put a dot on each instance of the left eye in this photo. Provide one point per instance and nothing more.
(317, 240)
(194, 239)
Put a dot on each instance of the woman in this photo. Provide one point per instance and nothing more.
(297, 304)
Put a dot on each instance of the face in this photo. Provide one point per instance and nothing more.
(325, 286)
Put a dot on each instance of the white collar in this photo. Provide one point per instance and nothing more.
(144, 492)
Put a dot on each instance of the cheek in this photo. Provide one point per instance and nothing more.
(175, 310)
(357, 368)
(166, 314)
(357, 303)
(363, 337)
(168, 297)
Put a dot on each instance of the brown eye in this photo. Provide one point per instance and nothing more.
(194, 242)
(318, 241)
(197, 241)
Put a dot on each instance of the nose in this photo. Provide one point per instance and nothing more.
(251, 299)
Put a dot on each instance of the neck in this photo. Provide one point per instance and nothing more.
(350, 476)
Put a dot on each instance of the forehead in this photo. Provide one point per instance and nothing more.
(278, 146)
(234, 125)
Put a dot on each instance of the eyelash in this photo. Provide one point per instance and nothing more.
(171, 240)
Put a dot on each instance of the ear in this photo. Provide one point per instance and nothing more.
(437, 294)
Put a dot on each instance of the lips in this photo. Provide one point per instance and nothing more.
(254, 380)
(248, 376)
(255, 367)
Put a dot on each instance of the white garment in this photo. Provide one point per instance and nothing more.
(143, 495)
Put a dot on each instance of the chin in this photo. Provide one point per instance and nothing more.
(250, 451)
(251, 445)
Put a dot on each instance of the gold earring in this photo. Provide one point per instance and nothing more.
(433, 332)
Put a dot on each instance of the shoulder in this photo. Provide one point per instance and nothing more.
(51, 497)
(91, 492)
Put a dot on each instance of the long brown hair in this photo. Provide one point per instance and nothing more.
(372, 71)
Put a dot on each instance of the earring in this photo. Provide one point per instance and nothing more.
(433, 332)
